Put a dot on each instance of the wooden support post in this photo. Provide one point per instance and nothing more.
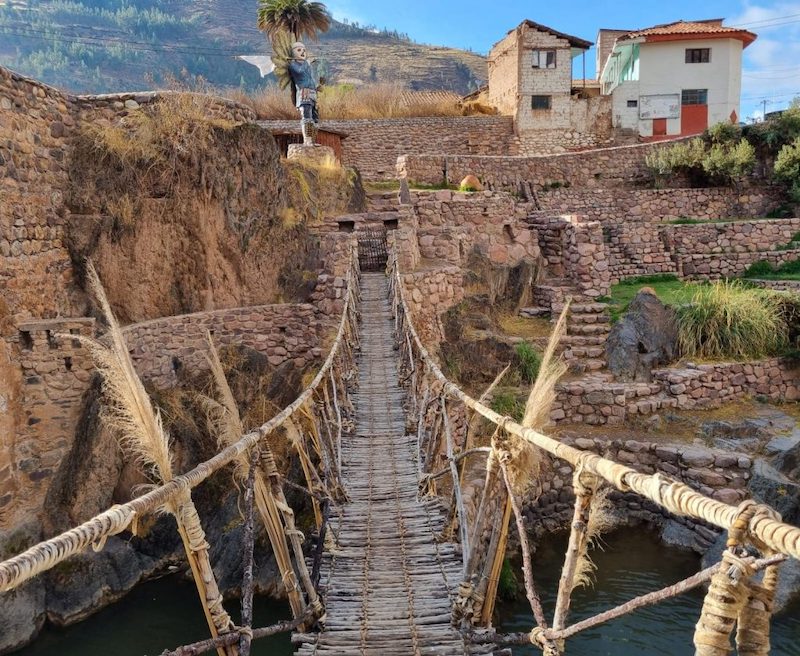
(498, 556)
(459, 499)
(577, 545)
(248, 540)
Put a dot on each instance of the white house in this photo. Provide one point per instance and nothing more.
(673, 79)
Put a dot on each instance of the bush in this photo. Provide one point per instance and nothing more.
(527, 362)
(724, 133)
(787, 168)
(508, 405)
(760, 268)
(682, 156)
(730, 162)
(728, 320)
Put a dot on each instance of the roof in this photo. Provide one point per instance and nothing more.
(574, 41)
(681, 30)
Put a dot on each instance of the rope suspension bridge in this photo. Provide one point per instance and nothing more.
(409, 549)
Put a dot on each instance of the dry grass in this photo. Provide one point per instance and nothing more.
(177, 124)
(349, 102)
(532, 329)
(317, 190)
(527, 460)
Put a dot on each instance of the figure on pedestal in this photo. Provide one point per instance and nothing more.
(304, 80)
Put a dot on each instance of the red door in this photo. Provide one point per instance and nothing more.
(659, 127)
(694, 119)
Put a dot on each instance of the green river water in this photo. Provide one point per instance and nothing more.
(165, 613)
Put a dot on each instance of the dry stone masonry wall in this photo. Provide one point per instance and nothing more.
(721, 475)
(597, 400)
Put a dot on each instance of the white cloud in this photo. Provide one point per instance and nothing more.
(771, 65)
(341, 9)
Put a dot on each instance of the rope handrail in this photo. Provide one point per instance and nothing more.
(48, 553)
(674, 496)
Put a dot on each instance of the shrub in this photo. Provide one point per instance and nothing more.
(787, 168)
(792, 266)
(508, 405)
(724, 133)
(528, 362)
(682, 156)
(728, 320)
(760, 268)
(730, 162)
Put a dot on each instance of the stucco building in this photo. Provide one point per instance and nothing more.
(673, 79)
(530, 78)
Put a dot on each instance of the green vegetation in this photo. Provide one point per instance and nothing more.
(300, 18)
(787, 168)
(527, 362)
(667, 287)
(728, 320)
(764, 269)
(508, 403)
(508, 586)
(717, 162)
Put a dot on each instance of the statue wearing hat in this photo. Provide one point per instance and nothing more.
(304, 80)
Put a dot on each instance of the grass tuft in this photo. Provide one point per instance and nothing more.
(728, 320)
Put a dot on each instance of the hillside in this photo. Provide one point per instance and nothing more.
(98, 46)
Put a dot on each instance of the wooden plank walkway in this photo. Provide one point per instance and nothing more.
(387, 586)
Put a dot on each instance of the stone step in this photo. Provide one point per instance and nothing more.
(589, 328)
(589, 317)
(588, 308)
(594, 352)
(583, 340)
(535, 311)
(584, 365)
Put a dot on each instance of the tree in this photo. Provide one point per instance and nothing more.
(298, 17)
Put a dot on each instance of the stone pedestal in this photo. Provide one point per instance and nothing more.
(311, 154)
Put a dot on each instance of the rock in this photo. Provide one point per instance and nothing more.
(646, 337)
(746, 434)
(768, 485)
(675, 534)
(80, 586)
(787, 455)
(21, 615)
(470, 183)
(22, 611)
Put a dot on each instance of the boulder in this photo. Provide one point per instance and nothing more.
(470, 183)
(770, 486)
(645, 338)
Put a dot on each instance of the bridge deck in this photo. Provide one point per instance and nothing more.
(388, 586)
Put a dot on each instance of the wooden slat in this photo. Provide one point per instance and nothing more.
(388, 586)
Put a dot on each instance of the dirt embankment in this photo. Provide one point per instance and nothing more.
(195, 224)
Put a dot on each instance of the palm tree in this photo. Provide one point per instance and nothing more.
(298, 17)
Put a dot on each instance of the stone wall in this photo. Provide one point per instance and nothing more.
(601, 168)
(430, 293)
(35, 269)
(717, 250)
(55, 373)
(615, 205)
(112, 105)
(721, 475)
(451, 225)
(636, 249)
(162, 347)
(373, 145)
(598, 400)
(575, 250)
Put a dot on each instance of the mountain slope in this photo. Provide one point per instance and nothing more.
(100, 46)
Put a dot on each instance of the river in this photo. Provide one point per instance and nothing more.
(166, 613)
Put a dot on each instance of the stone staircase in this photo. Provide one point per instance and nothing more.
(383, 201)
(588, 323)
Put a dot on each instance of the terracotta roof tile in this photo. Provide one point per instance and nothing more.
(687, 27)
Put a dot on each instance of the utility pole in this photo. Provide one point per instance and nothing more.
(764, 103)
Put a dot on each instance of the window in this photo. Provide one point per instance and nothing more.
(540, 102)
(694, 97)
(633, 103)
(544, 58)
(698, 55)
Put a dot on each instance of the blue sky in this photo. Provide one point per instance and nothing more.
(771, 64)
